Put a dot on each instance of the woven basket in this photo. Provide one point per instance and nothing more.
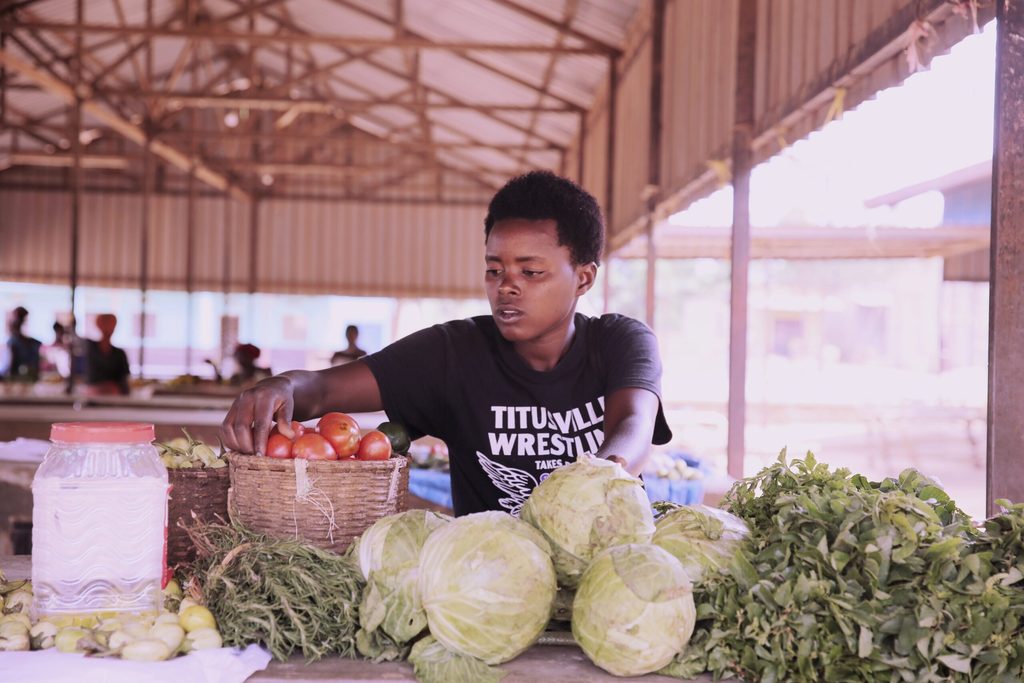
(343, 497)
(199, 492)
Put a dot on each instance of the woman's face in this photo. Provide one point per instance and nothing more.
(531, 282)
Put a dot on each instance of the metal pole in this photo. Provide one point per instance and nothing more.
(580, 154)
(76, 182)
(189, 252)
(740, 253)
(654, 153)
(147, 187)
(609, 184)
(254, 235)
(225, 274)
(1005, 470)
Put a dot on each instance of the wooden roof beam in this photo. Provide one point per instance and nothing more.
(462, 55)
(240, 135)
(218, 35)
(126, 128)
(260, 100)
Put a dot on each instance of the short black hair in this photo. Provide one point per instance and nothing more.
(542, 195)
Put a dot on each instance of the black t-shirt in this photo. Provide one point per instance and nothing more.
(507, 426)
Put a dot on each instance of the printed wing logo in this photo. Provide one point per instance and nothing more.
(516, 484)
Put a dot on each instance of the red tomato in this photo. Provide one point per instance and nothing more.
(297, 428)
(374, 446)
(342, 435)
(279, 446)
(313, 447)
(336, 417)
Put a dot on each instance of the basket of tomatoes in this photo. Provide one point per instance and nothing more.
(326, 485)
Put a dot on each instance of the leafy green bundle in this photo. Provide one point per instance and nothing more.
(282, 593)
(849, 580)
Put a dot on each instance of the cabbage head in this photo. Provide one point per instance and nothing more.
(702, 538)
(389, 558)
(585, 507)
(633, 610)
(487, 585)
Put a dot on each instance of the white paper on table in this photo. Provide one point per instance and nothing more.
(24, 450)
(223, 665)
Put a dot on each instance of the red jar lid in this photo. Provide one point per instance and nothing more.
(102, 432)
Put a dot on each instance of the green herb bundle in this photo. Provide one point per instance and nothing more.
(285, 594)
(843, 579)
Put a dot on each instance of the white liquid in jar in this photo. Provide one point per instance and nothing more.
(98, 544)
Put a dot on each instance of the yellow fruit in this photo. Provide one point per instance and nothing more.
(204, 639)
(185, 604)
(109, 625)
(173, 588)
(43, 635)
(118, 639)
(67, 639)
(148, 650)
(15, 643)
(137, 629)
(18, 601)
(166, 618)
(171, 634)
(10, 629)
(19, 618)
(196, 617)
(85, 621)
(59, 621)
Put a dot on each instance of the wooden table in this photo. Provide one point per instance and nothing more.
(560, 663)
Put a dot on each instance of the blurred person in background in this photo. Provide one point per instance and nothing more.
(57, 355)
(107, 369)
(78, 347)
(247, 372)
(22, 351)
(353, 352)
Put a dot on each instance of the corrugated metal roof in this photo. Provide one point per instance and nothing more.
(446, 76)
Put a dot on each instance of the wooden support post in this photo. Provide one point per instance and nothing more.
(254, 241)
(609, 180)
(147, 192)
(1005, 471)
(654, 152)
(743, 125)
(3, 83)
(582, 145)
(190, 268)
(76, 181)
(225, 268)
(607, 288)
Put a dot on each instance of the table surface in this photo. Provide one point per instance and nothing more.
(562, 663)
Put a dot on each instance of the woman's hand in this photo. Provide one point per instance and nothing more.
(247, 425)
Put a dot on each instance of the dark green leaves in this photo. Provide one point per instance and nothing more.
(852, 580)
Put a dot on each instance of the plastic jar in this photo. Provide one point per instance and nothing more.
(99, 520)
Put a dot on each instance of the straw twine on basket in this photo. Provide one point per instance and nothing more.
(329, 506)
(306, 492)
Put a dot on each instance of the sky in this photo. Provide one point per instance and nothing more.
(936, 122)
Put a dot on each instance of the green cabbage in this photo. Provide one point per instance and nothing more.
(633, 610)
(487, 585)
(586, 507)
(389, 556)
(702, 538)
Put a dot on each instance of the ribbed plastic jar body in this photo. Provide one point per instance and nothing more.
(99, 522)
